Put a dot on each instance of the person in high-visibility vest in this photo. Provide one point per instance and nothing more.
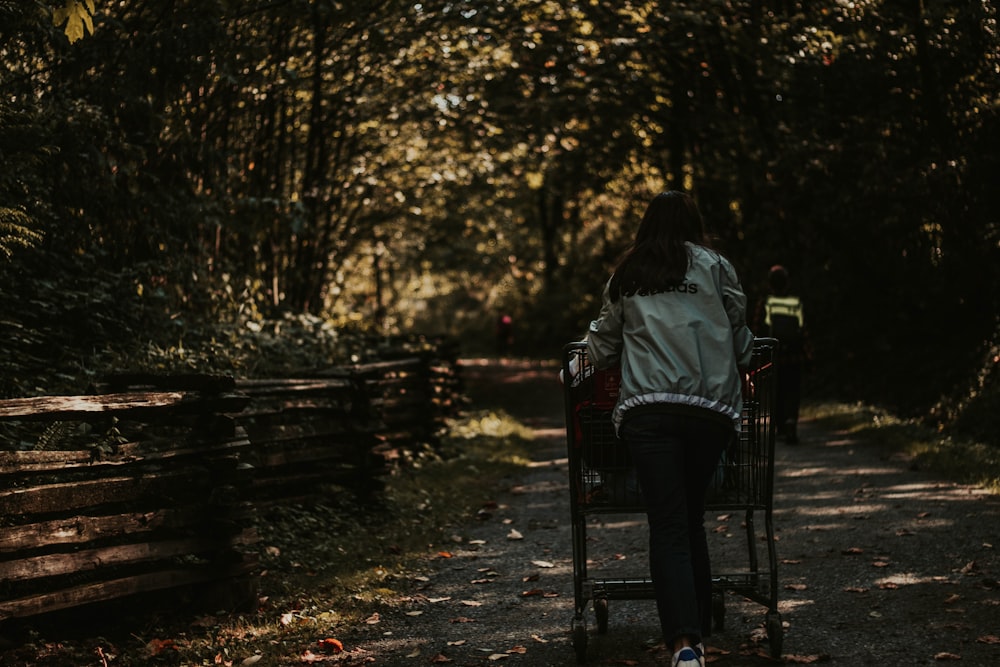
(783, 319)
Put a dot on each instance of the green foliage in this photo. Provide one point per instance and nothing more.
(240, 165)
(16, 231)
(78, 15)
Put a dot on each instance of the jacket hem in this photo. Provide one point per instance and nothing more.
(678, 399)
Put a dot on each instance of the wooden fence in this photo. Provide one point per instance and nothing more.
(155, 482)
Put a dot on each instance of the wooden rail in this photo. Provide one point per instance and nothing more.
(157, 482)
(120, 494)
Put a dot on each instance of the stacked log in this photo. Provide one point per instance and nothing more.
(119, 494)
(153, 482)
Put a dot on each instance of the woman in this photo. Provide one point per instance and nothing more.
(674, 318)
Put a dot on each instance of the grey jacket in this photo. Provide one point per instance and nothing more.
(685, 346)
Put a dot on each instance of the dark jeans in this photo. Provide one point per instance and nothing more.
(788, 394)
(675, 457)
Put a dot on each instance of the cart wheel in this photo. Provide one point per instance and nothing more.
(579, 631)
(775, 633)
(719, 610)
(601, 611)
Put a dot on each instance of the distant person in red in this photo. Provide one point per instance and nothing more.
(505, 334)
(781, 317)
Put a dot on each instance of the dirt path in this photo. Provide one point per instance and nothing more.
(881, 564)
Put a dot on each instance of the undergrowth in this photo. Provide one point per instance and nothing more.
(951, 454)
(325, 567)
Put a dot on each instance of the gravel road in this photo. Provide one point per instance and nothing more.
(880, 563)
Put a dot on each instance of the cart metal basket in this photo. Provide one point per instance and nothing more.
(602, 481)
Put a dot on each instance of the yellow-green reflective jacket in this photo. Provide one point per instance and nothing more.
(783, 306)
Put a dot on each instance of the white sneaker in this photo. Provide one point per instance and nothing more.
(689, 656)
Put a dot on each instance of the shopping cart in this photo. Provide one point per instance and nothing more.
(602, 481)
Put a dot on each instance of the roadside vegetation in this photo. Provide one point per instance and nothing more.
(254, 188)
(956, 455)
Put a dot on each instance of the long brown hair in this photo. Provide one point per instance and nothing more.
(658, 259)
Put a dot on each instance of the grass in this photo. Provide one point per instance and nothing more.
(344, 575)
(957, 458)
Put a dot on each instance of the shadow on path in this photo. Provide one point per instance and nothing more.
(879, 563)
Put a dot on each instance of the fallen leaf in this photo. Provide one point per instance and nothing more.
(923, 515)
(855, 589)
(415, 653)
(803, 659)
(252, 660)
(518, 649)
(954, 597)
(462, 619)
(532, 592)
(880, 563)
(969, 568)
(436, 600)
(444, 554)
(158, 646)
(287, 618)
(540, 640)
(497, 656)
(308, 657)
(460, 642)
(514, 535)
(440, 659)
(414, 613)
(373, 619)
(790, 561)
(471, 603)
(331, 644)
(852, 551)
(796, 587)
(542, 563)
(944, 655)
(480, 581)
(989, 639)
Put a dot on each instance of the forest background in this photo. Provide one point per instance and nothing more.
(254, 186)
